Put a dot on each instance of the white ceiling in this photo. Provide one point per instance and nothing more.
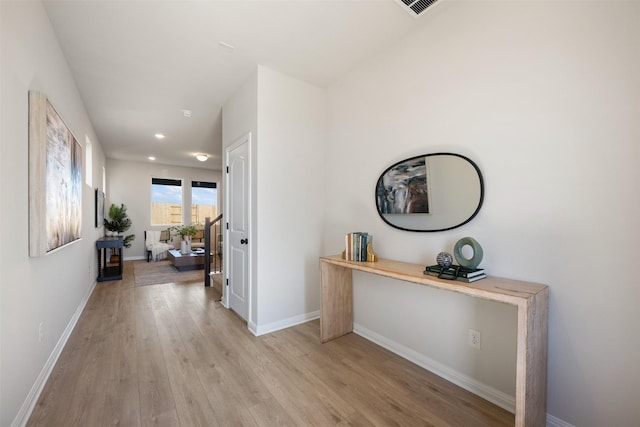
(138, 64)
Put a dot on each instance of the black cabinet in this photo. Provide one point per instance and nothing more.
(109, 248)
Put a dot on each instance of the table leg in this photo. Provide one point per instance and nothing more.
(531, 367)
(336, 301)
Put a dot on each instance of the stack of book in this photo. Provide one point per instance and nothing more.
(456, 272)
(356, 246)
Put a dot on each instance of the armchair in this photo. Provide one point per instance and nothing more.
(156, 244)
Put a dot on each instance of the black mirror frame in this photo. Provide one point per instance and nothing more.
(481, 201)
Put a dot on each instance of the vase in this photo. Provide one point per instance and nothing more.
(185, 245)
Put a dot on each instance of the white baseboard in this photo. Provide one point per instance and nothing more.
(253, 328)
(32, 398)
(557, 422)
(491, 394)
(133, 258)
(258, 330)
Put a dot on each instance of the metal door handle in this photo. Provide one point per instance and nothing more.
(244, 241)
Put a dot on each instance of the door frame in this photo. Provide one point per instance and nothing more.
(245, 139)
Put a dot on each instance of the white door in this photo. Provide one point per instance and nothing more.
(238, 189)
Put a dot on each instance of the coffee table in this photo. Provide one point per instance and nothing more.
(191, 261)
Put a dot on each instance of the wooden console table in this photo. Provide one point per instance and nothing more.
(531, 299)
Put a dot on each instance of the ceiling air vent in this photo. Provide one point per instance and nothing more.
(415, 7)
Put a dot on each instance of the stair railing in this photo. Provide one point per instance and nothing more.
(212, 265)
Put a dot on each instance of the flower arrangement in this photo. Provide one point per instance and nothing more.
(119, 222)
(185, 230)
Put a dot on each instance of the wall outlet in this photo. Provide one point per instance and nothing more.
(40, 331)
(475, 339)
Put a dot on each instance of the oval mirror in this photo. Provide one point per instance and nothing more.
(432, 192)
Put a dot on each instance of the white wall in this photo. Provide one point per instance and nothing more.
(240, 117)
(48, 289)
(544, 97)
(286, 118)
(130, 183)
(290, 173)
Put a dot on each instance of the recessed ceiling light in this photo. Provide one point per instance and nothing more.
(186, 113)
(151, 158)
(226, 47)
(202, 157)
(159, 136)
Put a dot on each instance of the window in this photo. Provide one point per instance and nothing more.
(166, 201)
(204, 201)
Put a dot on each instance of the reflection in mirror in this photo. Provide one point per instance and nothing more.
(432, 192)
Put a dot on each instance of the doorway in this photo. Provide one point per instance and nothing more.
(238, 265)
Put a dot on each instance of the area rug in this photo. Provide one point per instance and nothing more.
(158, 272)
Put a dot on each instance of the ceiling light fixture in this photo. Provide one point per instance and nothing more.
(226, 47)
(151, 158)
(186, 113)
(159, 136)
(202, 157)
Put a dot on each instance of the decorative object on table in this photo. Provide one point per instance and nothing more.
(475, 260)
(118, 223)
(55, 179)
(186, 232)
(456, 272)
(444, 259)
(445, 269)
(359, 247)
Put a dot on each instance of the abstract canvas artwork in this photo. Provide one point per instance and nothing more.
(55, 179)
(404, 188)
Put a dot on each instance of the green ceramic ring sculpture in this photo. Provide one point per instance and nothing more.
(472, 262)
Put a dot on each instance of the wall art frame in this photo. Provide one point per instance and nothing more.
(55, 179)
(99, 199)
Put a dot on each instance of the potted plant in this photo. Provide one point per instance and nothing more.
(119, 222)
(186, 232)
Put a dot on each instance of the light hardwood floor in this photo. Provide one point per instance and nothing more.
(171, 355)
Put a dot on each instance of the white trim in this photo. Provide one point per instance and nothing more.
(222, 301)
(258, 330)
(133, 258)
(491, 394)
(32, 398)
(253, 328)
(556, 422)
